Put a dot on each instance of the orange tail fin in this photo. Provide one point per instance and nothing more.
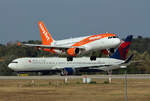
(45, 35)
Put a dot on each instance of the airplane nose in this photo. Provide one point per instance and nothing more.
(117, 41)
(11, 66)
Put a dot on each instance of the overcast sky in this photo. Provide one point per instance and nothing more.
(73, 18)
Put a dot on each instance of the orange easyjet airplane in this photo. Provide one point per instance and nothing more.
(75, 46)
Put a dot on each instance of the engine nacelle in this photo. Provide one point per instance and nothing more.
(73, 51)
(68, 71)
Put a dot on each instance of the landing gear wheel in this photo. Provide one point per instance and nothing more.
(70, 58)
(112, 50)
(93, 58)
(63, 73)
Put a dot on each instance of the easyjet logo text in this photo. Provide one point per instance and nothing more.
(44, 32)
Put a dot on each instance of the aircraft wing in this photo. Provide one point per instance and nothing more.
(48, 46)
(93, 67)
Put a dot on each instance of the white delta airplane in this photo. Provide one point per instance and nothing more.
(75, 46)
(117, 60)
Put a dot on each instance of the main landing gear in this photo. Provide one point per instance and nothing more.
(93, 58)
(112, 50)
(69, 58)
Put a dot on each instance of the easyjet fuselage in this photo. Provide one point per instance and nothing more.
(89, 43)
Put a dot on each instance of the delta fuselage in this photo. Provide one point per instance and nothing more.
(55, 63)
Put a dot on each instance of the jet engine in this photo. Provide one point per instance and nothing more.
(68, 71)
(112, 50)
(73, 51)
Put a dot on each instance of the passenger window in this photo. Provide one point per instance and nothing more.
(109, 37)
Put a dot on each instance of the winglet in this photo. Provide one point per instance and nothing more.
(19, 43)
(129, 59)
(45, 35)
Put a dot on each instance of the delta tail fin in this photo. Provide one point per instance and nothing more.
(122, 50)
(45, 35)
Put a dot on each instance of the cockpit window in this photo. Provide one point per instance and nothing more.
(115, 36)
(14, 62)
(112, 37)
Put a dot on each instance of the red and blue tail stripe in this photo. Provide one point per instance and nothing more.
(121, 52)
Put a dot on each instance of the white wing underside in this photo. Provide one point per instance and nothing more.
(56, 47)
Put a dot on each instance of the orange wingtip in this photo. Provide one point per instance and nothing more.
(19, 44)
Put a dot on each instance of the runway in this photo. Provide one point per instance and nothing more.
(135, 76)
